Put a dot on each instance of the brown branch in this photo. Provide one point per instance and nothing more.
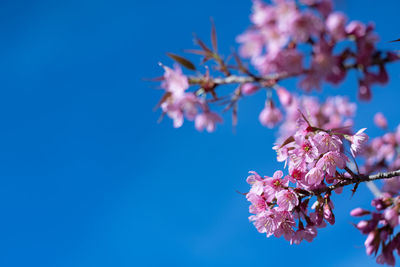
(355, 180)
(275, 77)
(241, 79)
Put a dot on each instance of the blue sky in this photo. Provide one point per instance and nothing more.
(88, 177)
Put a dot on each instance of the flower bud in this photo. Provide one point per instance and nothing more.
(284, 96)
(249, 88)
(392, 217)
(357, 212)
(270, 115)
(380, 120)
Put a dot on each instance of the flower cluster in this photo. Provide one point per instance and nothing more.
(177, 103)
(288, 38)
(383, 152)
(334, 113)
(314, 157)
(309, 40)
(381, 227)
(276, 40)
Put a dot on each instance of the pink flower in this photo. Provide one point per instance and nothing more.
(356, 28)
(380, 120)
(287, 200)
(386, 256)
(309, 233)
(256, 182)
(392, 217)
(254, 177)
(178, 106)
(335, 24)
(315, 176)
(297, 174)
(339, 105)
(304, 25)
(281, 153)
(305, 153)
(326, 142)
(323, 60)
(285, 12)
(207, 120)
(174, 81)
(266, 222)
(251, 44)
(257, 203)
(270, 115)
(286, 226)
(174, 112)
(288, 60)
(311, 81)
(330, 161)
(274, 185)
(358, 141)
(275, 40)
(263, 15)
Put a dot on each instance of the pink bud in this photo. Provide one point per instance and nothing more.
(357, 212)
(249, 88)
(380, 120)
(362, 225)
(328, 215)
(371, 244)
(392, 217)
(364, 91)
(284, 96)
(270, 115)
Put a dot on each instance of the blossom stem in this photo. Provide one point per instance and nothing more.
(356, 179)
(275, 77)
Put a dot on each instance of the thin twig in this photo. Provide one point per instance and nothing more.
(356, 179)
(234, 79)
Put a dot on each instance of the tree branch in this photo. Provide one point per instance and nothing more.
(233, 79)
(355, 180)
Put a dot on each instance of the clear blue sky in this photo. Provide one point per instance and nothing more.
(88, 177)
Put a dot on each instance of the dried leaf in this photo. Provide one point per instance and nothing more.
(162, 100)
(156, 79)
(183, 61)
(214, 37)
(398, 40)
(202, 45)
(287, 141)
(234, 115)
(197, 52)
